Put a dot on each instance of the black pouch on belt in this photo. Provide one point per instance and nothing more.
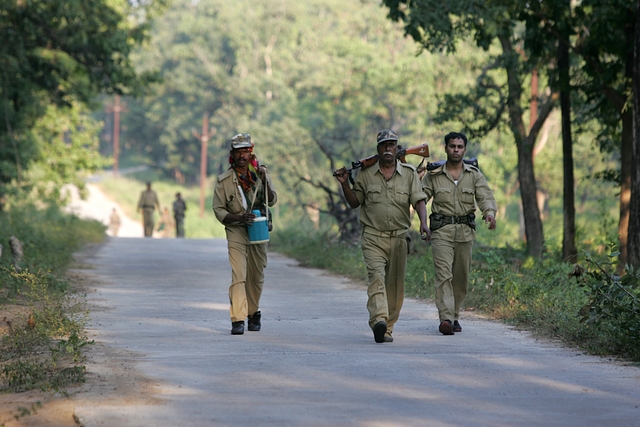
(436, 221)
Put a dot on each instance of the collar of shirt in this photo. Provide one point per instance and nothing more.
(377, 168)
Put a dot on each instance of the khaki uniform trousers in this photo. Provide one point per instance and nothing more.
(247, 277)
(147, 221)
(452, 262)
(386, 261)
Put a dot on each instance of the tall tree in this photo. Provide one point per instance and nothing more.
(439, 26)
(57, 52)
(634, 220)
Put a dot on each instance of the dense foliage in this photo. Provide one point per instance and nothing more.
(314, 104)
(55, 58)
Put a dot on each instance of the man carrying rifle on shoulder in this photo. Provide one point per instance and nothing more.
(455, 186)
(385, 191)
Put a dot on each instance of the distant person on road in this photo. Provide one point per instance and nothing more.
(246, 186)
(166, 224)
(179, 209)
(114, 223)
(456, 187)
(385, 192)
(147, 203)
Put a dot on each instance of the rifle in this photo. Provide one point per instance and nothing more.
(435, 165)
(420, 150)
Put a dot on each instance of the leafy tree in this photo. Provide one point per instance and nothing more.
(601, 33)
(61, 53)
(498, 95)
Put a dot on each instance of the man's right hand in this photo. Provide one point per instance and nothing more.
(342, 175)
(246, 218)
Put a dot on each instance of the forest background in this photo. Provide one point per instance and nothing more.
(313, 82)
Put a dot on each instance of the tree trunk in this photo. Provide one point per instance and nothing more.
(524, 143)
(626, 160)
(569, 251)
(634, 220)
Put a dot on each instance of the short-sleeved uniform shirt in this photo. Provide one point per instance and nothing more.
(450, 199)
(228, 198)
(385, 204)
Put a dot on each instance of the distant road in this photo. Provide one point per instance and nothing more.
(98, 206)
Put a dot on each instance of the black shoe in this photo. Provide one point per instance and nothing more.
(456, 326)
(379, 329)
(237, 328)
(446, 328)
(253, 322)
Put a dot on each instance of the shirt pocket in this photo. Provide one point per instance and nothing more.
(443, 195)
(374, 194)
(468, 196)
(402, 197)
(234, 203)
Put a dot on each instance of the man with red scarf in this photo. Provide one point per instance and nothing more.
(242, 188)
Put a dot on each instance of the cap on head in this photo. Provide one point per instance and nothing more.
(241, 140)
(387, 135)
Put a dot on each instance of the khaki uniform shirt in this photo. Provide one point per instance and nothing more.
(148, 199)
(450, 199)
(385, 204)
(227, 199)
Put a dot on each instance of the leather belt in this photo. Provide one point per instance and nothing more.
(392, 233)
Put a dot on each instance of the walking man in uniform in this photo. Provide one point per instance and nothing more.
(385, 192)
(455, 187)
(241, 189)
(179, 208)
(147, 203)
(114, 222)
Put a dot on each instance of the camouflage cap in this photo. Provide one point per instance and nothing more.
(241, 140)
(387, 135)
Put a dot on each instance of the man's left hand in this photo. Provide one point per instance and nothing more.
(489, 219)
(425, 232)
(262, 172)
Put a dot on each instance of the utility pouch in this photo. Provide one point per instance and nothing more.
(471, 220)
(436, 221)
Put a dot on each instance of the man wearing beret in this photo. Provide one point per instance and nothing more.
(245, 186)
(384, 192)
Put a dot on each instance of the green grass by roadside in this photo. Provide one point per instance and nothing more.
(42, 331)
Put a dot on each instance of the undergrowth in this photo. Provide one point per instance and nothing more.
(42, 329)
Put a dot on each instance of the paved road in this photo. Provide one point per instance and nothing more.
(315, 362)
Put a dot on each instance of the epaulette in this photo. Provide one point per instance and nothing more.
(408, 165)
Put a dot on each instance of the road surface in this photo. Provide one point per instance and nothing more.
(165, 357)
(164, 304)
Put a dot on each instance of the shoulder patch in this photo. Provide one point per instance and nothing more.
(225, 174)
(408, 165)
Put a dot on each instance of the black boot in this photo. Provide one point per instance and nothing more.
(237, 328)
(253, 323)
